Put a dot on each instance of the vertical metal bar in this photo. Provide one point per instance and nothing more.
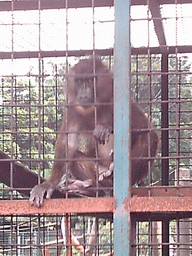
(133, 236)
(68, 235)
(31, 234)
(95, 98)
(38, 242)
(12, 101)
(12, 237)
(39, 126)
(177, 96)
(30, 121)
(165, 237)
(164, 119)
(165, 142)
(67, 89)
(121, 127)
(40, 91)
(178, 119)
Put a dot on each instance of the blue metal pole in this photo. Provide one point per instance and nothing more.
(121, 128)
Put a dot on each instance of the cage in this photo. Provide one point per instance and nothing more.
(41, 42)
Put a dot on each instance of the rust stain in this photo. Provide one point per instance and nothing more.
(127, 204)
(100, 205)
(53, 206)
(161, 204)
(115, 205)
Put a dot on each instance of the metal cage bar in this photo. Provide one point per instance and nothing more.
(122, 127)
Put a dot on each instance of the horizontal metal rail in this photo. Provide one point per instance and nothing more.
(101, 52)
(60, 4)
(142, 206)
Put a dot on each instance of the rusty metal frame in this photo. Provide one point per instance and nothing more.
(100, 52)
(56, 4)
(141, 207)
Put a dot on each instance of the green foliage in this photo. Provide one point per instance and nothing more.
(30, 115)
(146, 86)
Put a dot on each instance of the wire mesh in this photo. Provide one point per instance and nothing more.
(40, 43)
(55, 235)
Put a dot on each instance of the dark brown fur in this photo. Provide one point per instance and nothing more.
(76, 141)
